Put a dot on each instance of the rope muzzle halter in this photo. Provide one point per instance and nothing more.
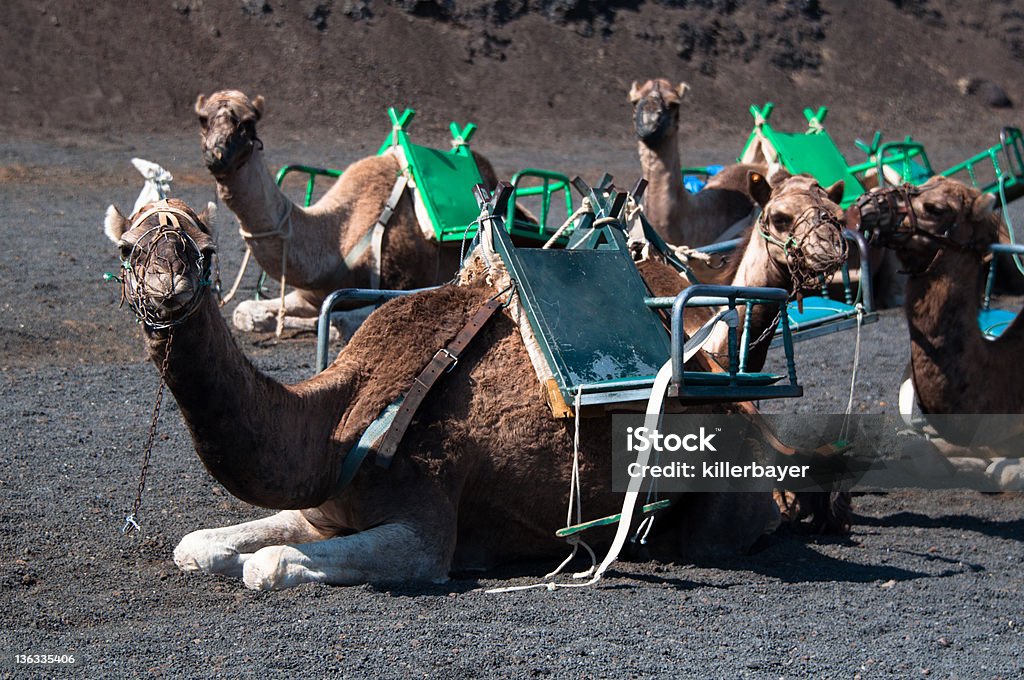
(888, 219)
(802, 273)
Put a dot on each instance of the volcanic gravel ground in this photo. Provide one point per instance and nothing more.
(928, 583)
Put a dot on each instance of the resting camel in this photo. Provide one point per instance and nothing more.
(678, 216)
(941, 232)
(793, 207)
(481, 476)
(802, 213)
(320, 238)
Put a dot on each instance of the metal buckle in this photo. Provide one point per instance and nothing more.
(454, 358)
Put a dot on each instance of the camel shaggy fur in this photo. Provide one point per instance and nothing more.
(481, 477)
(679, 217)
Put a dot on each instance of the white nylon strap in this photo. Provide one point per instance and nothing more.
(652, 421)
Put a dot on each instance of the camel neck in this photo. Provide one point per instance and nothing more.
(287, 239)
(252, 194)
(665, 200)
(756, 268)
(942, 310)
(244, 424)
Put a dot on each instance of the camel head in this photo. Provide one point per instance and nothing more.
(801, 225)
(228, 124)
(166, 255)
(656, 108)
(920, 222)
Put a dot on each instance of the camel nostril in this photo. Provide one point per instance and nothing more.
(218, 153)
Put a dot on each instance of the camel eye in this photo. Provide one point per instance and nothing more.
(935, 208)
(125, 249)
(782, 220)
(203, 121)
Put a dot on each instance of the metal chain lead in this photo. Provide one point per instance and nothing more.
(131, 521)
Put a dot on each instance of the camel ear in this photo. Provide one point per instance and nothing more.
(209, 216)
(758, 187)
(835, 192)
(682, 90)
(257, 105)
(200, 103)
(982, 207)
(634, 92)
(777, 174)
(114, 224)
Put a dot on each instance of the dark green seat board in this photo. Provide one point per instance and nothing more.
(587, 311)
(590, 310)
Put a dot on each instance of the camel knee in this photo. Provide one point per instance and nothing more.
(260, 316)
(200, 551)
(254, 316)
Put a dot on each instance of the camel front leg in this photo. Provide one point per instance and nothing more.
(389, 553)
(301, 309)
(225, 550)
(260, 316)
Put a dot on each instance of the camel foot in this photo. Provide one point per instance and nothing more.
(199, 551)
(1007, 474)
(390, 553)
(277, 567)
(830, 513)
(260, 316)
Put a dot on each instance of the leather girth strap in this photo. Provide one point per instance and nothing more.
(443, 362)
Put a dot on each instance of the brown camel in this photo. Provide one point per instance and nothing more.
(792, 207)
(678, 216)
(481, 476)
(796, 210)
(941, 232)
(320, 238)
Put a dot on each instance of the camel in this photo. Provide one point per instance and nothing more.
(480, 478)
(941, 232)
(678, 216)
(794, 207)
(318, 244)
(795, 210)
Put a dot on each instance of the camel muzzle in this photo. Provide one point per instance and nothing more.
(165, 275)
(886, 217)
(229, 151)
(652, 119)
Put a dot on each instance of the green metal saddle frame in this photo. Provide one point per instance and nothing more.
(601, 334)
(997, 169)
(444, 182)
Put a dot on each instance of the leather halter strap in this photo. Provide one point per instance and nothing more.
(444, 360)
(164, 211)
